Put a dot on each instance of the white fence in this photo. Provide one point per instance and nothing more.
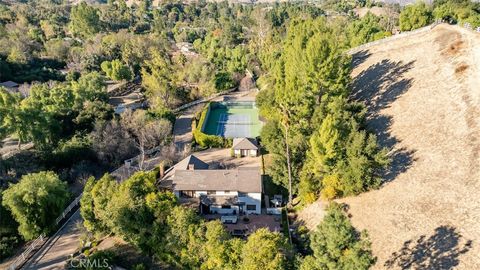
(20, 260)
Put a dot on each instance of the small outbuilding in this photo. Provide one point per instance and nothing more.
(243, 147)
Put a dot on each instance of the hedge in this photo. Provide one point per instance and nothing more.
(206, 140)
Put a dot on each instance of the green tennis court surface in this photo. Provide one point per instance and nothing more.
(233, 120)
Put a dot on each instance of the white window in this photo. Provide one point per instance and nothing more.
(251, 207)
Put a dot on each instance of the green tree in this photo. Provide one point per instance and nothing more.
(94, 205)
(415, 16)
(46, 115)
(35, 202)
(265, 250)
(139, 211)
(311, 66)
(84, 20)
(181, 239)
(157, 78)
(8, 112)
(220, 251)
(343, 158)
(336, 244)
(365, 30)
(117, 71)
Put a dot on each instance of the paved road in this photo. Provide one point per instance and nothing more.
(56, 251)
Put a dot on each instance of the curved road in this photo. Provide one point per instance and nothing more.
(58, 248)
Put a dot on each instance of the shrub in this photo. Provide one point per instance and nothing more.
(223, 81)
(7, 243)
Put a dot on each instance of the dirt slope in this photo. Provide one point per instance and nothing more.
(423, 93)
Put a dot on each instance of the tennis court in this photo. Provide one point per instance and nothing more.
(233, 120)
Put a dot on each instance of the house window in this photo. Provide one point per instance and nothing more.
(226, 206)
(251, 207)
(187, 193)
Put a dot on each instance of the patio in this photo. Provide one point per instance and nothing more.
(255, 222)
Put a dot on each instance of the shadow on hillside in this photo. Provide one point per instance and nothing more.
(401, 159)
(439, 251)
(382, 83)
(360, 57)
(378, 87)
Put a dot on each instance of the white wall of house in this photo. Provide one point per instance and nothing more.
(238, 152)
(226, 193)
(252, 199)
(247, 198)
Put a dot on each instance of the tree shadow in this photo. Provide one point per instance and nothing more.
(360, 57)
(378, 87)
(439, 251)
(382, 83)
(401, 158)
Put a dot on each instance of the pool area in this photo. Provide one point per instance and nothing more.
(233, 119)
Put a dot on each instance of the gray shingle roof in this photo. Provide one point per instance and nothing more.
(244, 144)
(191, 160)
(243, 179)
(9, 84)
(197, 163)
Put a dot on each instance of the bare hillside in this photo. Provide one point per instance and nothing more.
(423, 93)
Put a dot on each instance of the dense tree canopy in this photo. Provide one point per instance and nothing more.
(336, 244)
(84, 20)
(308, 103)
(35, 201)
(116, 71)
(415, 16)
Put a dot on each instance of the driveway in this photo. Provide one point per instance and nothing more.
(182, 130)
(54, 254)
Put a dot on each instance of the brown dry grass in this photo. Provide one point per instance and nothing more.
(427, 214)
(460, 69)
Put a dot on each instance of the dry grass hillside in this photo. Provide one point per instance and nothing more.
(423, 95)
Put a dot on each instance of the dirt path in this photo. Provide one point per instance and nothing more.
(423, 96)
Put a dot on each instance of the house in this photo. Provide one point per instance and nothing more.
(225, 192)
(243, 147)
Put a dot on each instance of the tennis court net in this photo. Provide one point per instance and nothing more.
(239, 105)
(231, 123)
